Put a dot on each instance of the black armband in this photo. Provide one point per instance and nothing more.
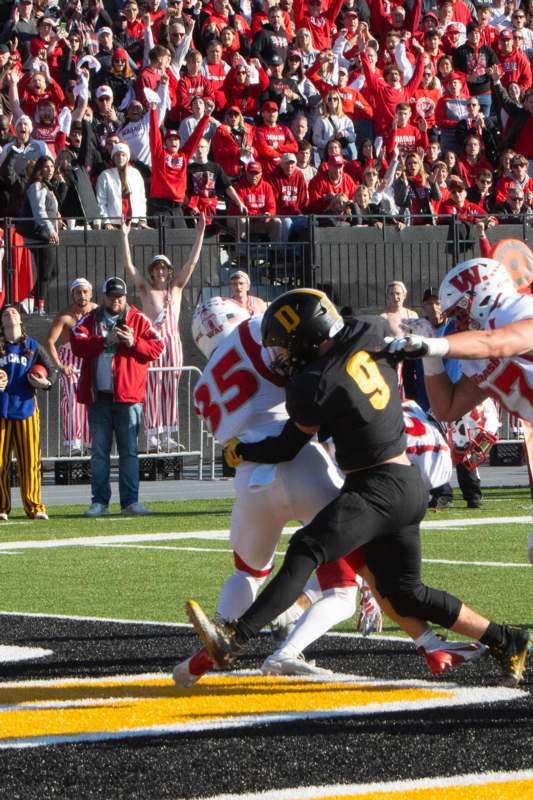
(275, 449)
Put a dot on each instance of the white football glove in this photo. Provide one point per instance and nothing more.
(430, 350)
(415, 346)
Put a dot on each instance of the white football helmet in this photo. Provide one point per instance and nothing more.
(471, 290)
(214, 320)
(472, 436)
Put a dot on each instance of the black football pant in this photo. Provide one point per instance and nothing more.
(380, 510)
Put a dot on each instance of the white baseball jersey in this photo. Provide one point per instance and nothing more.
(238, 394)
(426, 446)
(508, 380)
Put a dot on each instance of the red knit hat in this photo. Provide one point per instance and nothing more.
(36, 45)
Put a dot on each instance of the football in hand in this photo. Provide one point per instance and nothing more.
(39, 371)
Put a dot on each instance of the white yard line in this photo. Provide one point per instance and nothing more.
(222, 535)
(179, 549)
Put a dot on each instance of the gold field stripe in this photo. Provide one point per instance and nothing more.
(124, 706)
(510, 790)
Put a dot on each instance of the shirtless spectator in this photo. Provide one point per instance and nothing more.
(395, 311)
(161, 297)
(239, 291)
(74, 423)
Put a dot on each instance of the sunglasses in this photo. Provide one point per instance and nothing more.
(515, 197)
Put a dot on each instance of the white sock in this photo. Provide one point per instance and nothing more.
(429, 641)
(292, 614)
(335, 606)
(238, 594)
(312, 589)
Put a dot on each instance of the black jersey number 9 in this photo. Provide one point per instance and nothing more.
(365, 372)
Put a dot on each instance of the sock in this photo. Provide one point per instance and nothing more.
(200, 663)
(237, 594)
(430, 641)
(312, 589)
(282, 591)
(494, 636)
(335, 606)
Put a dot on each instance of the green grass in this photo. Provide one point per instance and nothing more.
(153, 584)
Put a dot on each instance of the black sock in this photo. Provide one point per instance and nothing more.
(494, 636)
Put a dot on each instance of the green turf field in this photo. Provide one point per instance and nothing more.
(150, 577)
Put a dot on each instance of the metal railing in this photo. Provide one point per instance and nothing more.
(354, 263)
(193, 439)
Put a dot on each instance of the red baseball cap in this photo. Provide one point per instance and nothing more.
(455, 76)
(506, 34)
(453, 29)
(337, 161)
(254, 166)
(269, 105)
(232, 108)
(171, 133)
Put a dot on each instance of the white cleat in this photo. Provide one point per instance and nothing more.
(40, 515)
(279, 665)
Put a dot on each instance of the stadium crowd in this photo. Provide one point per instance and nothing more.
(367, 112)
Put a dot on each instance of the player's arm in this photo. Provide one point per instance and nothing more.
(510, 340)
(449, 401)
(273, 449)
(514, 339)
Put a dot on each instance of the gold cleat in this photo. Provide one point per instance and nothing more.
(219, 638)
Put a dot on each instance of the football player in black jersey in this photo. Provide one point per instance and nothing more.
(343, 380)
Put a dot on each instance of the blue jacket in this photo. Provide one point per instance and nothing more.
(18, 399)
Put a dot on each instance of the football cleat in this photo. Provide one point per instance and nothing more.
(280, 665)
(452, 654)
(188, 672)
(370, 614)
(219, 638)
(512, 655)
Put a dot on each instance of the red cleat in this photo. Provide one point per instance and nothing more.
(452, 655)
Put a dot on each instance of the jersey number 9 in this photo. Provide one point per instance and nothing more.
(365, 372)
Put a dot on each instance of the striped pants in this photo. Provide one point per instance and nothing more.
(24, 436)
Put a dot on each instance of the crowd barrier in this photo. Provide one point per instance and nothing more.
(195, 451)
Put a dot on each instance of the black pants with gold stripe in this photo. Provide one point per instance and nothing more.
(24, 436)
